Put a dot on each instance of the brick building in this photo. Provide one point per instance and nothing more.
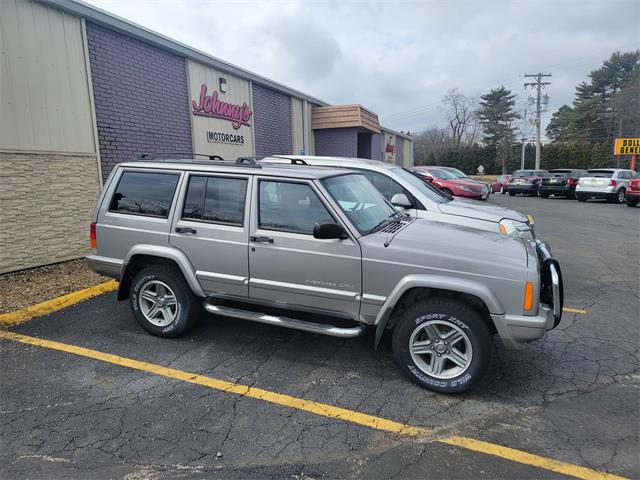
(82, 90)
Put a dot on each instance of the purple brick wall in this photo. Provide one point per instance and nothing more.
(141, 98)
(271, 121)
(399, 149)
(376, 146)
(340, 142)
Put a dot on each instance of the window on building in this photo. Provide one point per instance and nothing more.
(141, 193)
(290, 207)
(215, 199)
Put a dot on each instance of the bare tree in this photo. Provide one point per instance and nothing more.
(460, 112)
(431, 143)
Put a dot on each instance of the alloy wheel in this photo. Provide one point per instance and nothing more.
(158, 303)
(440, 349)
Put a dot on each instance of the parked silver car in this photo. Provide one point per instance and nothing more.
(319, 250)
(604, 183)
(416, 197)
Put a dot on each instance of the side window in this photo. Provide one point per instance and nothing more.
(146, 194)
(215, 199)
(385, 185)
(290, 207)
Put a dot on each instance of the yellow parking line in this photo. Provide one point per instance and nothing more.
(317, 408)
(573, 310)
(39, 309)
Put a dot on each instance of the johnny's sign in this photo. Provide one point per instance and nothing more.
(212, 106)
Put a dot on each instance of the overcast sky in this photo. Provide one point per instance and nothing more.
(398, 58)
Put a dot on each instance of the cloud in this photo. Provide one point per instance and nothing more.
(399, 58)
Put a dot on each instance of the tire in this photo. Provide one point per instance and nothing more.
(581, 198)
(622, 195)
(512, 194)
(181, 306)
(425, 327)
(447, 191)
(632, 201)
(544, 195)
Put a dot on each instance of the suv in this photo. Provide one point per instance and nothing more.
(525, 182)
(318, 250)
(560, 182)
(413, 194)
(608, 183)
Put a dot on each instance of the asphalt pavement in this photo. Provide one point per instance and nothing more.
(572, 396)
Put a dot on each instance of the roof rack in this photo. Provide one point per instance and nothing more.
(250, 162)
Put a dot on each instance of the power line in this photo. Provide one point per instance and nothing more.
(538, 84)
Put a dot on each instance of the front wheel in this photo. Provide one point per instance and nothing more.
(581, 198)
(544, 195)
(162, 302)
(512, 194)
(442, 344)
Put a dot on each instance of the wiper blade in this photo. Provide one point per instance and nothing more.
(386, 221)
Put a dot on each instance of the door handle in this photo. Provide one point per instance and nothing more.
(261, 239)
(187, 230)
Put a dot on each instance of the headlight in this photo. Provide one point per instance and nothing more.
(466, 189)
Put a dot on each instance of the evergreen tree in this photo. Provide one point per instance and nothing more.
(496, 115)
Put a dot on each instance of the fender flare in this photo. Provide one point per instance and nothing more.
(434, 281)
(169, 253)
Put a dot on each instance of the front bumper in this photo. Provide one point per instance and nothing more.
(473, 195)
(517, 330)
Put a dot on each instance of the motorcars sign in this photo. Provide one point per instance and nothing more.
(626, 146)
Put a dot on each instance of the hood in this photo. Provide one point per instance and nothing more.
(481, 211)
(438, 247)
(463, 181)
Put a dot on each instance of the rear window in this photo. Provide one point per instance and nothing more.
(559, 171)
(147, 194)
(601, 173)
(522, 173)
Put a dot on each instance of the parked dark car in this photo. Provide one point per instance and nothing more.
(501, 184)
(633, 191)
(526, 182)
(560, 182)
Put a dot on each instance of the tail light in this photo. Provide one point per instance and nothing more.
(612, 183)
(571, 181)
(92, 235)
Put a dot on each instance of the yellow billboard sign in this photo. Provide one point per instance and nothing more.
(626, 146)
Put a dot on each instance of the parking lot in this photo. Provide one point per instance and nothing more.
(87, 393)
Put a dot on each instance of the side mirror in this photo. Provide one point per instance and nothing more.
(401, 200)
(329, 230)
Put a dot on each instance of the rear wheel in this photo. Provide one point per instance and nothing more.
(632, 201)
(581, 198)
(512, 194)
(442, 344)
(162, 302)
(544, 195)
(622, 195)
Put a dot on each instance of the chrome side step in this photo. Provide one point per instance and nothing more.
(286, 322)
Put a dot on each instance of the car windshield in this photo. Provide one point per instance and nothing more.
(415, 180)
(522, 173)
(365, 206)
(442, 174)
(456, 173)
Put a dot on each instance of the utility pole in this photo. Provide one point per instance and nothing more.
(524, 138)
(538, 84)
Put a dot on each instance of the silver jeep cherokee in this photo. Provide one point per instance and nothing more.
(319, 250)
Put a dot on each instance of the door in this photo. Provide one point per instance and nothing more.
(287, 265)
(211, 228)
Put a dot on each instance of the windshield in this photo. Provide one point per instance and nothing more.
(442, 174)
(360, 201)
(522, 173)
(415, 180)
(457, 173)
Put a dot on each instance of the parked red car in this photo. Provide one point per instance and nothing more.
(449, 183)
(500, 184)
(633, 191)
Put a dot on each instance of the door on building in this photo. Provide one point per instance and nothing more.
(287, 264)
(364, 145)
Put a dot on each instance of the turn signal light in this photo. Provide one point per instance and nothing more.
(92, 235)
(503, 229)
(528, 296)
